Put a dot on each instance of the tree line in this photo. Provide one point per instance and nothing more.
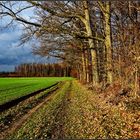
(42, 70)
(99, 39)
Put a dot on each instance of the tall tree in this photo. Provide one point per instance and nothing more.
(105, 8)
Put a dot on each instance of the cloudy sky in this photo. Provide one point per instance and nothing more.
(10, 54)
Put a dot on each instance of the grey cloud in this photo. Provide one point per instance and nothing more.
(7, 68)
(11, 55)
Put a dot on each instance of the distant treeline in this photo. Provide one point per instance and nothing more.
(42, 70)
(8, 74)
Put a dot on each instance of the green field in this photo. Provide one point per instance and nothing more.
(13, 88)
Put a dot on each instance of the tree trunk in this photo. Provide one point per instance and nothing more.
(108, 42)
(87, 66)
(84, 66)
(91, 43)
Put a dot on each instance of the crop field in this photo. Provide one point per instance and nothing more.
(12, 88)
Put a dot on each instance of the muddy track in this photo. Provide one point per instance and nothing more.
(17, 124)
(12, 103)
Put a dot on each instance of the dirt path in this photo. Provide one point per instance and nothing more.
(58, 130)
(17, 123)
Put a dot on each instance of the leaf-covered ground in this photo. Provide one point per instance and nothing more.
(90, 116)
(77, 113)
